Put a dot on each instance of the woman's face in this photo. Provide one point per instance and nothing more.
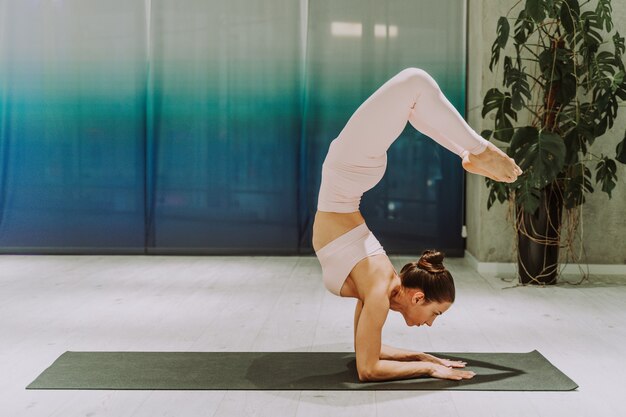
(418, 312)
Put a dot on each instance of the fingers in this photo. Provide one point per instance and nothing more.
(455, 364)
(448, 373)
(463, 375)
(466, 374)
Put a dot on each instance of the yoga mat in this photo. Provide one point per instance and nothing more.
(284, 371)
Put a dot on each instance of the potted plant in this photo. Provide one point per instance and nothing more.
(566, 73)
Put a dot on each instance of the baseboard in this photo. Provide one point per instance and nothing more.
(510, 267)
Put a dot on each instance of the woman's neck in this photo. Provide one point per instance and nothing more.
(395, 293)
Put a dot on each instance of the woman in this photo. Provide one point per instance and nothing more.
(354, 264)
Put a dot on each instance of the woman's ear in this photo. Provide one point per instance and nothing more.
(417, 296)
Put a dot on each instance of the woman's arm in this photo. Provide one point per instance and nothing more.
(392, 353)
(396, 354)
(369, 324)
(386, 352)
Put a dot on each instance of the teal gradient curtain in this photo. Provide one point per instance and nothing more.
(195, 126)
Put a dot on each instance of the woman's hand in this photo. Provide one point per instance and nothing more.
(438, 361)
(443, 372)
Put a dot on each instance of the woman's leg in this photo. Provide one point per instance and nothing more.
(411, 95)
(436, 117)
(414, 95)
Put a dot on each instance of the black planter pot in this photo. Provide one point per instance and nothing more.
(538, 239)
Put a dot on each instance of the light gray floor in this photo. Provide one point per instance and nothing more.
(51, 304)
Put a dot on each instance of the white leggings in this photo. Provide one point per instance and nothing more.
(357, 158)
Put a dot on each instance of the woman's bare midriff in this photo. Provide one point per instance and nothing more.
(328, 226)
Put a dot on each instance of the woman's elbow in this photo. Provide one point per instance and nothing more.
(366, 374)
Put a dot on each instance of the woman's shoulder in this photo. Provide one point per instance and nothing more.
(373, 275)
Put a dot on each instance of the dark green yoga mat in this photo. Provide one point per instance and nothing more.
(284, 371)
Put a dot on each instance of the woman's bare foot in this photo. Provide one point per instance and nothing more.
(492, 163)
(470, 167)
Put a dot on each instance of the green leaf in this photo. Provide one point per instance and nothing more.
(557, 66)
(600, 128)
(527, 196)
(576, 184)
(498, 190)
(520, 88)
(588, 49)
(548, 6)
(502, 30)
(546, 60)
(617, 81)
(572, 146)
(591, 21)
(494, 99)
(620, 151)
(486, 134)
(618, 43)
(570, 12)
(508, 64)
(540, 153)
(603, 10)
(606, 174)
(621, 91)
(535, 10)
(550, 155)
(523, 27)
(587, 123)
(522, 139)
(607, 106)
(504, 126)
(491, 101)
(579, 133)
(495, 55)
(567, 89)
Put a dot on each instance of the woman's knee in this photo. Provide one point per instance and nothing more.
(420, 78)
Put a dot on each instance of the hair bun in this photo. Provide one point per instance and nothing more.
(431, 261)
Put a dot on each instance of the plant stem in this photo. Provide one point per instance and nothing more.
(531, 111)
(531, 51)
(513, 7)
(536, 80)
